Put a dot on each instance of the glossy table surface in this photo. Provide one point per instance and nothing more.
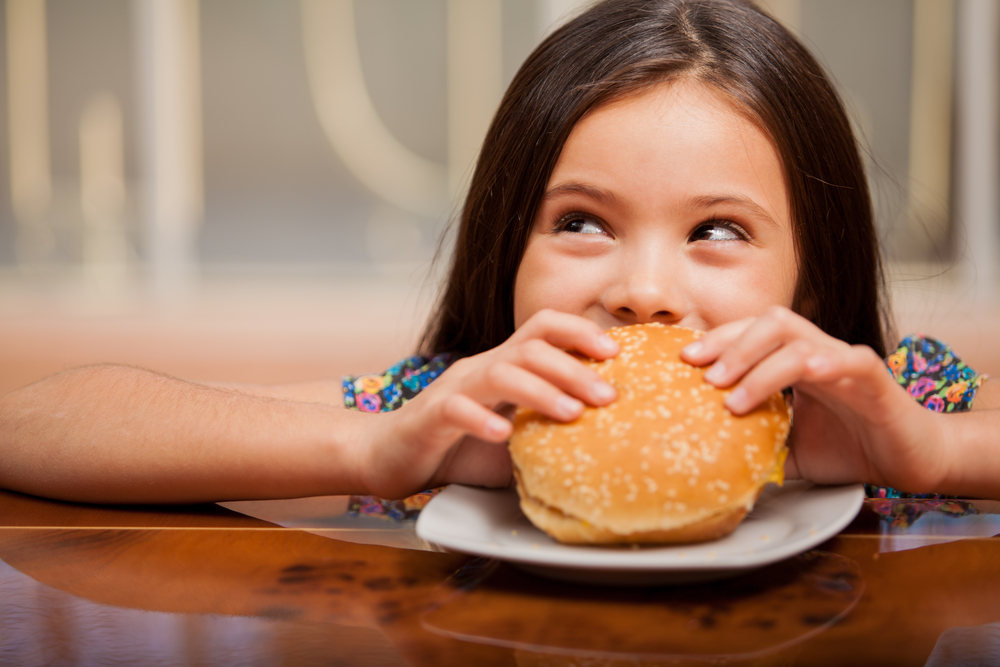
(303, 582)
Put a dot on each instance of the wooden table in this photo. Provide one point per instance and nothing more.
(302, 583)
(211, 584)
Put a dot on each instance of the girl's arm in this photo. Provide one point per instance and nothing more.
(852, 421)
(973, 439)
(121, 434)
(987, 397)
(314, 391)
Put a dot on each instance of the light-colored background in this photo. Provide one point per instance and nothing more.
(254, 189)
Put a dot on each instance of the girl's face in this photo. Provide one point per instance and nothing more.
(668, 206)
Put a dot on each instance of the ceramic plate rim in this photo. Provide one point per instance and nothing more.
(837, 505)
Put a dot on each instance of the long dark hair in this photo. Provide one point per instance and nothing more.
(620, 47)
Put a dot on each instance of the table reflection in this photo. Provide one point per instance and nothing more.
(211, 585)
(738, 620)
(908, 524)
(42, 625)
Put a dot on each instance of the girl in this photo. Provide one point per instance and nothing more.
(680, 161)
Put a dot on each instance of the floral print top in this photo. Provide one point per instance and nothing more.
(926, 368)
(932, 374)
(937, 379)
(385, 392)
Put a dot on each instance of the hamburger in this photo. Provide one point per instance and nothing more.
(665, 463)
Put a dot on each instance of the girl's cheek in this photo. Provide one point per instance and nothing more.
(727, 298)
(522, 284)
(548, 277)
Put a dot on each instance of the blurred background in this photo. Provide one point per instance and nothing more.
(254, 190)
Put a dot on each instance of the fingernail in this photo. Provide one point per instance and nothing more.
(602, 392)
(607, 344)
(716, 372)
(737, 400)
(692, 350)
(496, 425)
(568, 407)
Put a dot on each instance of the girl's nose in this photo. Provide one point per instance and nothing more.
(645, 296)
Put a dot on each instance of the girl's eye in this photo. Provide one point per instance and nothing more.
(578, 223)
(719, 231)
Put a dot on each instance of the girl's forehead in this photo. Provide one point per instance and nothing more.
(686, 101)
(675, 140)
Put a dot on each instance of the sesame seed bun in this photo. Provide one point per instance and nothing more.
(665, 463)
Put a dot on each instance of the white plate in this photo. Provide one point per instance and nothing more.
(786, 521)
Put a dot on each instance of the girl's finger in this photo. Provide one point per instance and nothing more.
(709, 346)
(562, 370)
(468, 416)
(778, 328)
(504, 382)
(781, 369)
(849, 374)
(567, 332)
(854, 375)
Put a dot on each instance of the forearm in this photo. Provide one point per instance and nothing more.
(119, 434)
(973, 447)
(317, 391)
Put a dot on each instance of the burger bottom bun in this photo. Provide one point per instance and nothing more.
(570, 530)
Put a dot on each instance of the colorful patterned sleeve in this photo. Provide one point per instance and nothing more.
(935, 377)
(385, 392)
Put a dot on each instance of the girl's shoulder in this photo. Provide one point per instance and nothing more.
(392, 388)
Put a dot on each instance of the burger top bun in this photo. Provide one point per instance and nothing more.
(666, 462)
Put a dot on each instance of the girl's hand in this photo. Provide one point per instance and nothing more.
(851, 421)
(454, 431)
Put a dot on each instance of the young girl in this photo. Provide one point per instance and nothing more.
(679, 161)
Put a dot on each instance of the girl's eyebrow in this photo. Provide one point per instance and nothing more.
(755, 209)
(609, 198)
(601, 195)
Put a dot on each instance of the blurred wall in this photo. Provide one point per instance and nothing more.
(277, 194)
(275, 191)
(306, 270)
